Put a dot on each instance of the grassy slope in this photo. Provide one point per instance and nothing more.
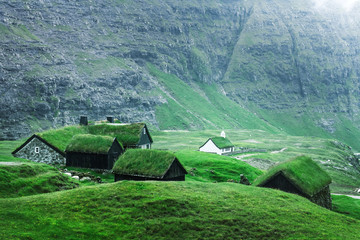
(179, 210)
(188, 108)
(209, 167)
(205, 167)
(200, 105)
(346, 205)
(329, 156)
(29, 179)
(176, 210)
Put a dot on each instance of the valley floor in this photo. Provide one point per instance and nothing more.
(206, 205)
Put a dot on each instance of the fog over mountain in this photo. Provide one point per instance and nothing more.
(277, 65)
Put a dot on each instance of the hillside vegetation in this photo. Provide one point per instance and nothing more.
(31, 179)
(204, 206)
(278, 65)
(208, 167)
(267, 149)
(176, 210)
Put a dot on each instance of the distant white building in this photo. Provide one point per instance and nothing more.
(218, 145)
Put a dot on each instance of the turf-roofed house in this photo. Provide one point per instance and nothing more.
(301, 176)
(49, 146)
(93, 151)
(38, 149)
(136, 164)
(219, 145)
(131, 135)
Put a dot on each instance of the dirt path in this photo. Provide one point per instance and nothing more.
(10, 163)
(352, 196)
(245, 155)
(280, 151)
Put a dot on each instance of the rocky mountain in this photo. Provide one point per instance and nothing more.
(281, 66)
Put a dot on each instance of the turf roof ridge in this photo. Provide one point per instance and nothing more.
(302, 171)
(144, 162)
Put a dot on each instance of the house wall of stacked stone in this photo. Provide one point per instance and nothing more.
(323, 198)
(38, 151)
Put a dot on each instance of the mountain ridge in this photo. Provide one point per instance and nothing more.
(286, 66)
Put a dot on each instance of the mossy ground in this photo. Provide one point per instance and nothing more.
(346, 205)
(197, 208)
(176, 210)
(274, 148)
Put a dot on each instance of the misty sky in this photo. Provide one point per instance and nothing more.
(345, 4)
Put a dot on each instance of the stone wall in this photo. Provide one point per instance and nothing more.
(45, 155)
(323, 198)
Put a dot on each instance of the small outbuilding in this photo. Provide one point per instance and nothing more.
(218, 145)
(301, 176)
(93, 151)
(140, 165)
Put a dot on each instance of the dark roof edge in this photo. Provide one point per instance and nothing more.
(215, 144)
(206, 143)
(282, 173)
(177, 161)
(22, 145)
(42, 140)
(137, 175)
(292, 182)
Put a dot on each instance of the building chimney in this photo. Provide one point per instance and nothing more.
(83, 120)
(110, 119)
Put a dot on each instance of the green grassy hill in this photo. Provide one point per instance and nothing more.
(208, 167)
(171, 210)
(204, 206)
(30, 179)
(336, 158)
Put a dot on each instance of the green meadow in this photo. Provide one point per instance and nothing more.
(36, 203)
(171, 210)
(267, 149)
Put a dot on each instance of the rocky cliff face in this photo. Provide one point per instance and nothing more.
(60, 59)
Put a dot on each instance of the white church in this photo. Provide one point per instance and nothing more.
(218, 145)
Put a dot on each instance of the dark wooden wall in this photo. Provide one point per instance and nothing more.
(115, 151)
(119, 177)
(144, 138)
(87, 160)
(176, 170)
(282, 183)
(322, 198)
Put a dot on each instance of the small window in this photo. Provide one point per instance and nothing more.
(144, 130)
(36, 149)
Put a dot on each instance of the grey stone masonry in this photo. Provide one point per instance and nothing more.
(38, 151)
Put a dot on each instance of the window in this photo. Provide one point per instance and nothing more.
(144, 130)
(36, 149)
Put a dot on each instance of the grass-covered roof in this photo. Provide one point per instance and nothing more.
(301, 171)
(61, 137)
(222, 142)
(87, 143)
(144, 162)
(127, 134)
